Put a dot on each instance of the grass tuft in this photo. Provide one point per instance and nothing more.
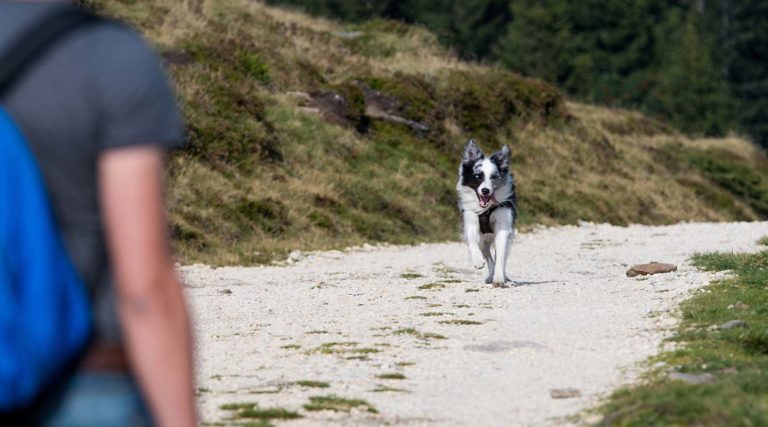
(313, 384)
(431, 287)
(460, 322)
(338, 404)
(391, 376)
(252, 411)
(417, 334)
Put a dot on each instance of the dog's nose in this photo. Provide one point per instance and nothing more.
(485, 191)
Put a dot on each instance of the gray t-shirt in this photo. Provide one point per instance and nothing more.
(99, 88)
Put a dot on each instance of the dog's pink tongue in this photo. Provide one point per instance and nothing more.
(484, 200)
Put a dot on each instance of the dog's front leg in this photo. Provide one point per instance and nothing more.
(501, 240)
(472, 236)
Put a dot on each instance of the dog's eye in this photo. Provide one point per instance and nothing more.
(478, 176)
(495, 176)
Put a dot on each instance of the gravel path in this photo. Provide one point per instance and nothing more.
(572, 320)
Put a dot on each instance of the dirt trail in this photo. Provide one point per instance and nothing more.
(572, 320)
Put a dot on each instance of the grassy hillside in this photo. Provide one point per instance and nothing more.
(308, 134)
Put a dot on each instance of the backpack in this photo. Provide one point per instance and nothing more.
(45, 313)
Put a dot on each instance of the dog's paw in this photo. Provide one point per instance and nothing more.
(489, 280)
(478, 263)
(500, 281)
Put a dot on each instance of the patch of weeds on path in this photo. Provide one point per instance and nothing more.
(312, 384)
(720, 371)
(365, 350)
(763, 241)
(431, 286)
(291, 346)
(471, 290)
(317, 332)
(384, 389)
(253, 411)
(404, 364)
(415, 297)
(391, 376)
(434, 313)
(363, 358)
(338, 404)
(411, 276)
(417, 334)
(332, 347)
(450, 280)
(460, 322)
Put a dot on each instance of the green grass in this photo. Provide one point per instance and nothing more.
(313, 384)
(384, 389)
(391, 376)
(415, 297)
(410, 276)
(338, 404)
(460, 322)
(431, 287)
(763, 241)
(253, 411)
(471, 290)
(417, 334)
(365, 350)
(737, 358)
(333, 347)
(268, 414)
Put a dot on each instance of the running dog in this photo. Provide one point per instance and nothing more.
(488, 206)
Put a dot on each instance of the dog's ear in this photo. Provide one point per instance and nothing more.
(471, 152)
(501, 158)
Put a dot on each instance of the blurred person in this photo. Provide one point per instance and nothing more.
(98, 113)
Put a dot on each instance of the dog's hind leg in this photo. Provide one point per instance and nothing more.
(501, 240)
(509, 243)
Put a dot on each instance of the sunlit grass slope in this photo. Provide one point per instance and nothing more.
(309, 134)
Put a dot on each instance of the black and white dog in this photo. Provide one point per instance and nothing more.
(488, 205)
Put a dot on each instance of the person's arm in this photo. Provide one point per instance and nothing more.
(151, 304)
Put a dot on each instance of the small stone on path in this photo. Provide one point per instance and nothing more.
(692, 378)
(732, 324)
(564, 393)
(650, 268)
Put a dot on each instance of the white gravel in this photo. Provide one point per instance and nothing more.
(572, 320)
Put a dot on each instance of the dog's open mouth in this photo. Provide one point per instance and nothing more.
(486, 200)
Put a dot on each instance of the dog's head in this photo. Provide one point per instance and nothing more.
(484, 174)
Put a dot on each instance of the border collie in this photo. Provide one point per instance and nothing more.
(488, 206)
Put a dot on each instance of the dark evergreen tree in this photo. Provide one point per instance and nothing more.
(743, 43)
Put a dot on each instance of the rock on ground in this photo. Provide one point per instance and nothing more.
(467, 354)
